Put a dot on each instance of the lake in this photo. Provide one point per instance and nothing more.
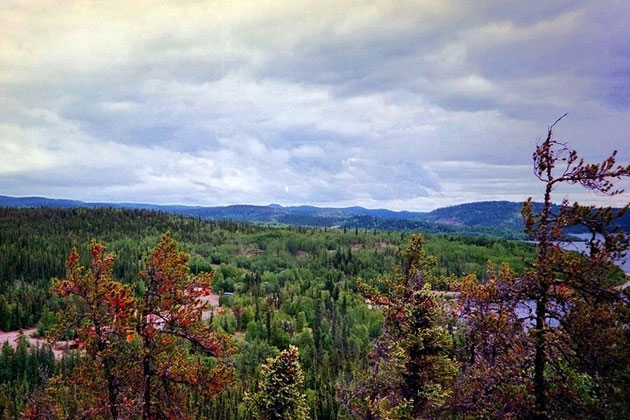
(582, 246)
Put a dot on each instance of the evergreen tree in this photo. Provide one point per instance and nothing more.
(574, 290)
(138, 357)
(553, 342)
(100, 311)
(412, 362)
(171, 317)
(279, 395)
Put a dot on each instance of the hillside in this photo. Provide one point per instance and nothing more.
(273, 213)
(496, 218)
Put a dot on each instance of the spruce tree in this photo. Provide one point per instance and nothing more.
(279, 395)
(413, 361)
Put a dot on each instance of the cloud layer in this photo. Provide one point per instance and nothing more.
(399, 104)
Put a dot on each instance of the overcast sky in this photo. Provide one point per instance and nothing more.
(398, 104)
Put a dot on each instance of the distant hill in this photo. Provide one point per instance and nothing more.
(274, 213)
(6, 201)
(506, 214)
(496, 218)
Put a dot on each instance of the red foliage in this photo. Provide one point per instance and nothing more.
(119, 377)
(170, 311)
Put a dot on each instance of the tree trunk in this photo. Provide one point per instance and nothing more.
(146, 410)
(543, 280)
(539, 361)
(111, 388)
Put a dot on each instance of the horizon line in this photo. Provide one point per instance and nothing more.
(254, 205)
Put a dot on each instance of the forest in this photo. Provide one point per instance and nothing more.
(165, 316)
(303, 277)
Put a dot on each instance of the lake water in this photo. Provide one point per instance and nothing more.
(526, 309)
(583, 248)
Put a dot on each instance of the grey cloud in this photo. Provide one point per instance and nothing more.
(328, 103)
(526, 41)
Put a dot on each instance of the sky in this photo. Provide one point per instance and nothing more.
(395, 104)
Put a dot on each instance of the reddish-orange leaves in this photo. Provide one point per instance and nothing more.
(171, 312)
(139, 359)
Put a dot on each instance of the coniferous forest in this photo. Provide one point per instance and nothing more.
(124, 314)
(289, 286)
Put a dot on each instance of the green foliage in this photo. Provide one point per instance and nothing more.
(23, 370)
(279, 395)
(387, 346)
(413, 360)
(302, 280)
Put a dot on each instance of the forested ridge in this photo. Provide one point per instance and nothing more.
(489, 218)
(35, 242)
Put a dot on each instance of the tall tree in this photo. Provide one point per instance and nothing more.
(170, 315)
(144, 356)
(413, 362)
(100, 311)
(567, 288)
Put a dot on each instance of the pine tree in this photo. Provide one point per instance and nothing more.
(553, 342)
(573, 289)
(144, 356)
(100, 311)
(413, 362)
(171, 316)
(279, 395)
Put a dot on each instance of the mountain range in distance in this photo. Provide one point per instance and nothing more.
(494, 218)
